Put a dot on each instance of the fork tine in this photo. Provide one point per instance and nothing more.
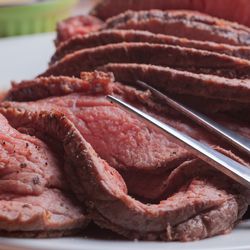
(236, 140)
(224, 164)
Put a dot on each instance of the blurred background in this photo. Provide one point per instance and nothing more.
(21, 17)
(22, 54)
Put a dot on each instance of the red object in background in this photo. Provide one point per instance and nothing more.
(77, 25)
(233, 10)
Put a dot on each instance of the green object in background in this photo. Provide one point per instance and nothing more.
(36, 17)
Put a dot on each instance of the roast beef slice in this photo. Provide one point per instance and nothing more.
(189, 24)
(35, 199)
(113, 36)
(236, 11)
(198, 61)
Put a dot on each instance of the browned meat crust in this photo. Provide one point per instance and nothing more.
(58, 86)
(117, 36)
(198, 61)
(189, 24)
(237, 11)
(181, 82)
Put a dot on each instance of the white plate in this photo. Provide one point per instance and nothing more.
(238, 240)
(26, 57)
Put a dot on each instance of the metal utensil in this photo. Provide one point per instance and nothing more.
(236, 140)
(224, 164)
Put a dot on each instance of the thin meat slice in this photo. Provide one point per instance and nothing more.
(117, 36)
(119, 138)
(35, 199)
(194, 60)
(214, 211)
(211, 105)
(200, 208)
(95, 82)
(182, 23)
(51, 214)
(185, 83)
(77, 25)
(237, 11)
(205, 93)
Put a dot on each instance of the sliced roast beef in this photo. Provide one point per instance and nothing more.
(96, 82)
(199, 208)
(189, 24)
(119, 138)
(125, 143)
(77, 25)
(198, 61)
(35, 199)
(117, 36)
(207, 93)
(112, 137)
(102, 83)
(237, 11)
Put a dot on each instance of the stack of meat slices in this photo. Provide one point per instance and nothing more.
(117, 165)
(237, 11)
(98, 162)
